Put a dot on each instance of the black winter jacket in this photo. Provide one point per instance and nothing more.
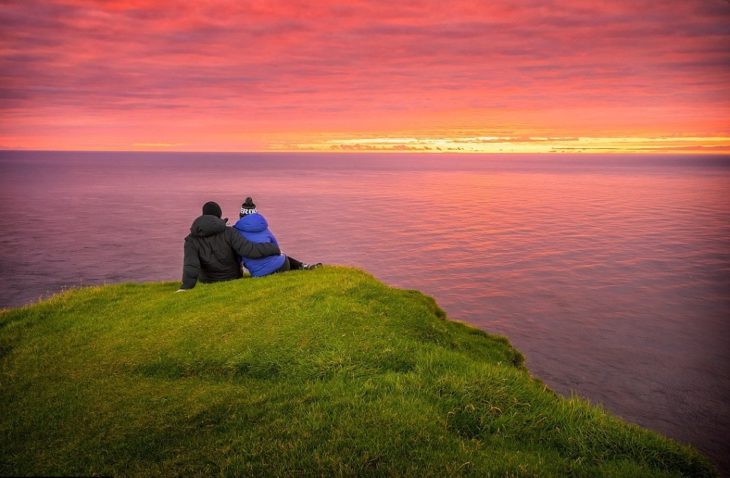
(212, 252)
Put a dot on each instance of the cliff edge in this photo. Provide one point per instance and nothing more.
(326, 372)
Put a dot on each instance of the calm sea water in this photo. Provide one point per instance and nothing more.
(611, 274)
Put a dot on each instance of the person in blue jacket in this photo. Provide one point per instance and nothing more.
(254, 228)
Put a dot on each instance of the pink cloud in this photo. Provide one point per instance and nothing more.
(220, 72)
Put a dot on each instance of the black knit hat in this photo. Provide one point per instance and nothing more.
(248, 207)
(212, 209)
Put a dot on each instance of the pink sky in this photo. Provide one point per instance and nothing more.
(524, 76)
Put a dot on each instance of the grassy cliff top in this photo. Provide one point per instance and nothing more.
(325, 372)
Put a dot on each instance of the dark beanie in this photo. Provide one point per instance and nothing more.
(248, 207)
(212, 209)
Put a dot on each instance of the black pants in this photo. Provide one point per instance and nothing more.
(290, 264)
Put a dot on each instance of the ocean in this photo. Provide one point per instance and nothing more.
(611, 273)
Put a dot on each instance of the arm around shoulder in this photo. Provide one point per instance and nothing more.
(246, 248)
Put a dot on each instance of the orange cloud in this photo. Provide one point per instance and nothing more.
(263, 75)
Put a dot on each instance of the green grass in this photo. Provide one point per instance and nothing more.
(327, 372)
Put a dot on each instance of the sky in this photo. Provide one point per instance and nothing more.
(365, 75)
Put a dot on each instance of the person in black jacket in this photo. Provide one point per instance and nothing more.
(213, 251)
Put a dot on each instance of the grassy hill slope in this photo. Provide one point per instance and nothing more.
(327, 372)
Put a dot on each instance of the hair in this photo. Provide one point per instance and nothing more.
(212, 208)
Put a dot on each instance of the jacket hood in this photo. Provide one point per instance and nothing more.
(207, 226)
(252, 223)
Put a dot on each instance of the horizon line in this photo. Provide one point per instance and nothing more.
(611, 152)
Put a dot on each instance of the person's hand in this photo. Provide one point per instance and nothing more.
(181, 290)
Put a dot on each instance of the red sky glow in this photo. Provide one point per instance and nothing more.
(365, 75)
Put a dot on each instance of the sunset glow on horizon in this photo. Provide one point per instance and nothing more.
(627, 76)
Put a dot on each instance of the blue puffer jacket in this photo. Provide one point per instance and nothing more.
(255, 229)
